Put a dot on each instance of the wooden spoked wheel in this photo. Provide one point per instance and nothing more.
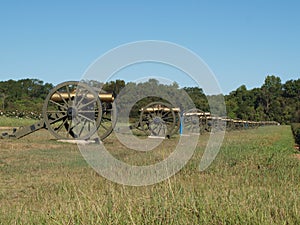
(158, 119)
(108, 120)
(72, 110)
(191, 121)
(194, 121)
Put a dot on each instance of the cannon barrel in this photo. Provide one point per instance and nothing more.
(165, 109)
(104, 97)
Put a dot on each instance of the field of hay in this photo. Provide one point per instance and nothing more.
(255, 179)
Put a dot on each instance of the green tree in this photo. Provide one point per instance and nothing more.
(291, 89)
(271, 90)
(198, 97)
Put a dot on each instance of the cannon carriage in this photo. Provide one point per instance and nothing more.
(196, 121)
(73, 110)
(159, 119)
(206, 122)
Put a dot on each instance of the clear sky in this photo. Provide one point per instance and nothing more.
(242, 41)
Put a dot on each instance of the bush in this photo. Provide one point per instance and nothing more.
(21, 114)
(296, 132)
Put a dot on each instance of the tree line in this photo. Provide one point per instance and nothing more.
(25, 96)
(274, 100)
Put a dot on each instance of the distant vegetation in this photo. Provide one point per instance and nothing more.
(23, 98)
(272, 101)
(296, 132)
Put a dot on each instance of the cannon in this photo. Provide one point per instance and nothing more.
(159, 119)
(195, 117)
(75, 110)
(196, 121)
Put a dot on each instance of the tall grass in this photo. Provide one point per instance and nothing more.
(254, 180)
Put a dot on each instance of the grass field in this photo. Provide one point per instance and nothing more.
(18, 122)
(255, 179)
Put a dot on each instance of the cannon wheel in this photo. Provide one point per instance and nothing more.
(158, 119)
(75, 117)
(195, 121)
(108, 120)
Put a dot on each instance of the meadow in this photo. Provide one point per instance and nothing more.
(255, 179)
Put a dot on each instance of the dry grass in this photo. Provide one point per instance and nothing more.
(254, 180)
(297, 156)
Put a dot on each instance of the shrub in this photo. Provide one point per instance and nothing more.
(296, 132)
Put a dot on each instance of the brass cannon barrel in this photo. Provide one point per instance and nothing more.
(157, 108)
(162, 109)
(104, 97)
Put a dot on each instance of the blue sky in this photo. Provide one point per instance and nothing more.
(241, 41)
